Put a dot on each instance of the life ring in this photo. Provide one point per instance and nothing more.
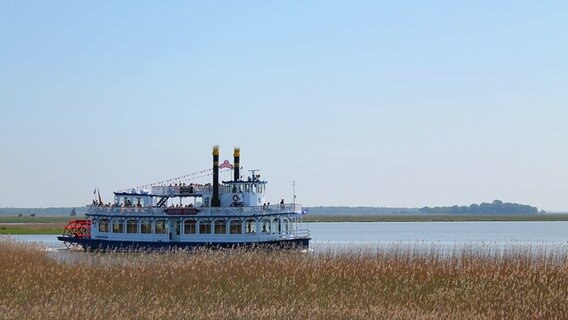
(236, 198)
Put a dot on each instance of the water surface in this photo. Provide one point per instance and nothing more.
(490, 235)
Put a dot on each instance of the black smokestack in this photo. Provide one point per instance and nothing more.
(237, 163)
(215, 202)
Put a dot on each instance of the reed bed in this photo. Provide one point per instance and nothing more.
(394, 283)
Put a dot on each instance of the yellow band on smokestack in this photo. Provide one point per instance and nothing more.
(215, 150)
(237, 152)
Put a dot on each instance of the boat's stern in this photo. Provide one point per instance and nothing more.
(75, 230)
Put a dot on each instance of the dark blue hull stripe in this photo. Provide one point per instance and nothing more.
(94, 244)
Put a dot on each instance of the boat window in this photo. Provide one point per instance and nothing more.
(236, 227)
(160, 226)
(266, 226)
(117, 226)
(277, 226)
(247, 187)
(190, 227)
(145, 226)
(103, 225)
(177, 228)
(137, 201)
(250, 226)
(220, 227)
(205, 227)
(131, 226)
(254, 188)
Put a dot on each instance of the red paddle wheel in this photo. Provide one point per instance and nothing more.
(80, 229)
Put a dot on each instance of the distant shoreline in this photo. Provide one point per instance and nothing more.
(432, 217)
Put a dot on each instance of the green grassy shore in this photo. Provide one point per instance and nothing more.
(32, 225)
(39, 219)
(400, 283)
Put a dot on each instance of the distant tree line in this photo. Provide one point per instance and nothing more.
(496, 207)
(339, 210)
(61, 211)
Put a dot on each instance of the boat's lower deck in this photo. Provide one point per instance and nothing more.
(122, 245)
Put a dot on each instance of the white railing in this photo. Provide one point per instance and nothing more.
(295, 234)
(301, 233)
(124, 210)
(254, 210)
(207, 211)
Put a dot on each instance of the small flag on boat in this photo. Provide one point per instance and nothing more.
(100, 199)
(226, 164)
(95, 191)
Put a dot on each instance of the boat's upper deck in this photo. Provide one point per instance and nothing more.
(277, 209)
(183, 196)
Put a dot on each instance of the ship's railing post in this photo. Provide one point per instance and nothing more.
(301, 233)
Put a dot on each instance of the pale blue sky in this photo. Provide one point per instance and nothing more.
(400, 103)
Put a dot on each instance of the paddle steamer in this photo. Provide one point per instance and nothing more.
(188, 216)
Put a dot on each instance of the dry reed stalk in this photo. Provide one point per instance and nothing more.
(399, 283)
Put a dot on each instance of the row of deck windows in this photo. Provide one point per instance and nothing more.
(192, 226)
(246, 187)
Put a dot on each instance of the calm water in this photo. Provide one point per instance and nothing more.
(347, 232)
(542, 236)
(326, 236)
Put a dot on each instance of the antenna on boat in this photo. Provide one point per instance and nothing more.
(294, 193)
(255, 176)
